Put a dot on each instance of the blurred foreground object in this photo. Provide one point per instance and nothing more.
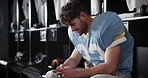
(56, 62)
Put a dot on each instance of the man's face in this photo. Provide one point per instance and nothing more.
(79, 26)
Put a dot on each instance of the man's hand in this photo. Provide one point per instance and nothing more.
(57, 71)
(65, 71)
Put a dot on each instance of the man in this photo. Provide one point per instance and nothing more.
(103, 41)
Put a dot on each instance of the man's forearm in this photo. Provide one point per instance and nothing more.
(101, 69)
(70, 62)
(74, 59)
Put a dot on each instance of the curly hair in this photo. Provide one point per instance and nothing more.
(71, 11)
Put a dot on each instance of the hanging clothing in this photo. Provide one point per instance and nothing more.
(40, 9)
(95, 7)
(25, 6)
(14, 10)
(58, 5)
(131, 4)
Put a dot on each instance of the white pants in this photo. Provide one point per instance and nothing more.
(50, 74)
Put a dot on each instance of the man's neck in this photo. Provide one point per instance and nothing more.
(89, 22)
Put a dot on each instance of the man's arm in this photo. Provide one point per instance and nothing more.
(74, 59)
(109, 67)
(71, 62)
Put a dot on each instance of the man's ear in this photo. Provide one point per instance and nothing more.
(83, 16)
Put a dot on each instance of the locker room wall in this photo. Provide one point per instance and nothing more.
(4, 29)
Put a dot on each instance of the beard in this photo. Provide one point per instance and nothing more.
(84, 27)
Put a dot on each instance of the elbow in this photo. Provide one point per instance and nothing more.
(112, 70)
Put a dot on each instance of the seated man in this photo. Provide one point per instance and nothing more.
(104, 41)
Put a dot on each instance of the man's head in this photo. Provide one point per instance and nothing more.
(75, 14)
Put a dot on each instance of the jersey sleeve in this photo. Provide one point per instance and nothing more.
(114, 33)
(118, 39)
(109, 30)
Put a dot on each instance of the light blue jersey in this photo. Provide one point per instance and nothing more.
(107, 30)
